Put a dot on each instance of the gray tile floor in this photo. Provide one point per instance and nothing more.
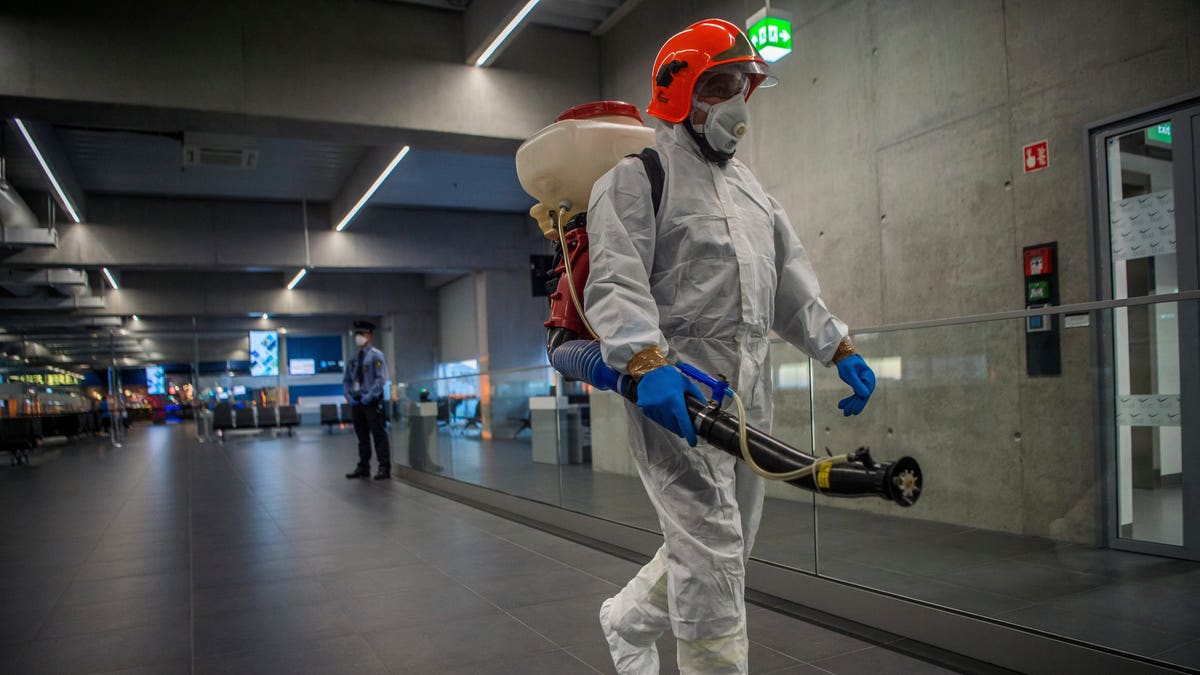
(1141, 604)
(257, 556)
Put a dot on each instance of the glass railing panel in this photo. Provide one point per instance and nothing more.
(519, 450)
(951, 398)
(606, 485)
(1008, 525)
(483, 431)
(785, 535)
(457, 403)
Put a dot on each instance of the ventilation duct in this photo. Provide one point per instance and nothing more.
(26, 282)
(18, 226)
(47, 302)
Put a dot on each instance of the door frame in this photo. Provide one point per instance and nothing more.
(1184, 113)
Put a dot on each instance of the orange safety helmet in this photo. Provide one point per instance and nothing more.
(691, 52)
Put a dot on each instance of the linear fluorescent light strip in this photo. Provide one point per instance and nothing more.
(62, 196)
(512, 25)
(371, 190)
(296, 279)
(108, 275)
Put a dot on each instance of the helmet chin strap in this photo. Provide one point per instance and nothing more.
(710, 153)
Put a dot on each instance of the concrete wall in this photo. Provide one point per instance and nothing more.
(492, 315)
(458, 330)
(512, 338)
(414, 337)
(515, 335)
(894, 142)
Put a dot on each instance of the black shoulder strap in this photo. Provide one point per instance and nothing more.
(654, 172)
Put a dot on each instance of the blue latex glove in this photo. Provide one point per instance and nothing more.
(365, 399)
(356, 398)
(855, 372)
(660, 395)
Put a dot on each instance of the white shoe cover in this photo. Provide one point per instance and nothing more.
(628, 658)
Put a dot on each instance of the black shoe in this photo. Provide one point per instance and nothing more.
(383, 475)
(359, 473)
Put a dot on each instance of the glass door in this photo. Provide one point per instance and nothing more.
(1149, 250)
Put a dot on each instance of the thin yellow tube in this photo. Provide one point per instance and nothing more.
(562, 240)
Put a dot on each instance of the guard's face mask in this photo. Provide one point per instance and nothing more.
(360, 339)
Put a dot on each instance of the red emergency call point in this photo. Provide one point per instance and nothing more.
(1036, 156)
(1038, 261)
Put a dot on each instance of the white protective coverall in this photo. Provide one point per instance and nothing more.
(706, 281)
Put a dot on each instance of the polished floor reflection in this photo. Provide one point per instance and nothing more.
(257, 556)
(1141, 604)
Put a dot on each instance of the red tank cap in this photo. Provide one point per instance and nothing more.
(601, 108)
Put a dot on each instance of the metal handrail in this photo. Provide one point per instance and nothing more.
(1077, 308)
(486, 373)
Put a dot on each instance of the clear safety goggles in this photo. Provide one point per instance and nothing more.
(728, 80)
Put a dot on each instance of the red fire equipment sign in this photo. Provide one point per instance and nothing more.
(1037, 156)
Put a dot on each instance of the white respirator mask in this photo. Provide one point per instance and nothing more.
(360, 340)
(726, 124)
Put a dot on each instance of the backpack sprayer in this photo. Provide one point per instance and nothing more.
(558, 166)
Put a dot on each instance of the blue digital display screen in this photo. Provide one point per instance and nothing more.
(264, 353)
(156, 380)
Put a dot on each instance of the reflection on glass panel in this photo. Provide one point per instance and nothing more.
(785, 535)
(480, 429)
(953, 400)
(1146, 338)
(1006, 525)
(607, 484)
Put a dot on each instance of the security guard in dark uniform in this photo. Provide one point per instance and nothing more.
(364, 381)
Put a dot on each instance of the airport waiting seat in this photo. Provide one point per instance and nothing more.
(81, 423)
(522, 423)
(470, 413)
(91, 422)
(47, 427)
(443, 412)
(244, 417)
(68, 425)
(222, 419)
(268, 418)
(288, 417)
(50, 426)
(17, 438)
(329, 415)
(347, 413)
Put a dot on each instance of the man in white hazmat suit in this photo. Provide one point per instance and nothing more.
(704, 280)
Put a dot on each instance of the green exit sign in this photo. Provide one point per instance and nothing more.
(1160, 133)
(772, 37)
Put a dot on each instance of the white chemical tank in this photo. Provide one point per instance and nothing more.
(558, 165)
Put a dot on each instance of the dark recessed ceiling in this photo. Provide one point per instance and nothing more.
(583, 16)
(134, 163)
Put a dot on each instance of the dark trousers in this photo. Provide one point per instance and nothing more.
(368, 422)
